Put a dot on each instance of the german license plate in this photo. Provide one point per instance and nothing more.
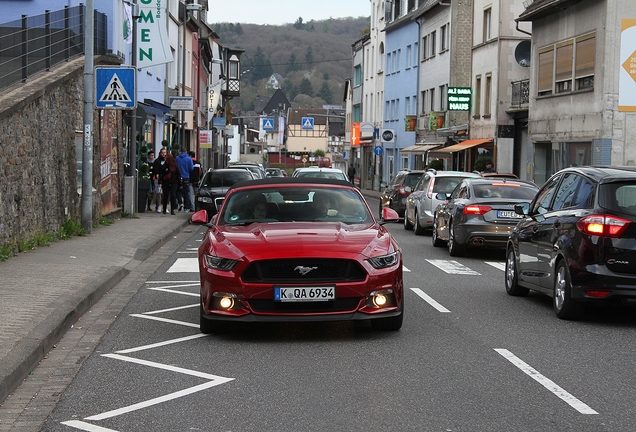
(508, 214)
(305, 294)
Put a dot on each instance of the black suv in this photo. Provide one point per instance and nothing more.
(398, 190)
(577, 239)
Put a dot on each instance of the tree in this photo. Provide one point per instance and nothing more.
(309, 56)
(319, 152)
(325, 92)
(238, 29)
(299, 23)
(261, 65)
(305, 87)
(289, 89)
(292, 63)
(326, 76)
(325, 27)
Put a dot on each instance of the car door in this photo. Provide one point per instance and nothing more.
(414, 201)
(528, 232)
(447, 209)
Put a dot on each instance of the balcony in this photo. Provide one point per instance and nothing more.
(520, 94)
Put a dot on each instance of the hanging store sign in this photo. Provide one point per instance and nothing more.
(627, 74)
(459, 98)
(153, 46)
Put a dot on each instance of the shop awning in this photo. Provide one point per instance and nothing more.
(463, 146)
(419, 148)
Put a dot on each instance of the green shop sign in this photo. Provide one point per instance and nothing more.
(459, 98)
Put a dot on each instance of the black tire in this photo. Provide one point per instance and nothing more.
(407, 225)
(454, 249)
(436, 240)
(564, 307)
(511, 277)
(393, 323)
(417, 228)
(208, 326)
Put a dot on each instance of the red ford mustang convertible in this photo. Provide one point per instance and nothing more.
(285, 250)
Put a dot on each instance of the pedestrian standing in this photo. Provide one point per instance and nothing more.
(153, 180)
(195, 176)
(351, 172)
(185, 167)
(158, 170)
(170, 179)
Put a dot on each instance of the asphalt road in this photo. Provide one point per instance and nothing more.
(468, 358)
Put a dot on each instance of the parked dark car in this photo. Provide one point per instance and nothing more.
(577, 240)
(398, 190)
(215, 184)
(480, 212)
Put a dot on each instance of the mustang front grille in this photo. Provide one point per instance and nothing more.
(304, 270)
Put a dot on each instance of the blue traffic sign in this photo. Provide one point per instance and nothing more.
(268, 124)
(308, 123)
(115, 88)
(378, 150)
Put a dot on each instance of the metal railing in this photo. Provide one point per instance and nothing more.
(520, 93)
(35, 43)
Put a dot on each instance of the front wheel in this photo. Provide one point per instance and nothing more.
(564, 307)
(207, 326)
(408, 225)
(419, 229)
(511, 276)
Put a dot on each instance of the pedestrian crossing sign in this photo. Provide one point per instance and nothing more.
(308, 123)
(268, 124)
(115, 88)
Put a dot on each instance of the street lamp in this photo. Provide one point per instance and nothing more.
(189, 8)
(232, 88)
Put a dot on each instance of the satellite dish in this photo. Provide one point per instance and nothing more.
(522, 53)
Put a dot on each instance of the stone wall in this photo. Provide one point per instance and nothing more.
(38, 166)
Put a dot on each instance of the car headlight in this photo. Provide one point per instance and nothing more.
(218, 263)
(205, 199)
(385, 260)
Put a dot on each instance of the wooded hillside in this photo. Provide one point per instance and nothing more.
(313, 58)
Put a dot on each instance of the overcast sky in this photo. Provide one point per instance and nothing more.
(278, 12)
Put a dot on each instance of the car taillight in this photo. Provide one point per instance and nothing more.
(473, 209)
(605, 226)
(429, 192)
(402, 190)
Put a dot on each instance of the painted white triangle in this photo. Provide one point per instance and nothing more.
(268, 124)
(308, 124)
(115, 91)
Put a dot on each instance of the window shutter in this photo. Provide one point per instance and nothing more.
(546, 68)
(564, 55)
(585, 53)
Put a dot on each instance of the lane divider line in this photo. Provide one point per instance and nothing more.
(430, 300)
(546, 382)
(498, 265)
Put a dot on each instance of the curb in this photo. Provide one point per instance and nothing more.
(26, 355)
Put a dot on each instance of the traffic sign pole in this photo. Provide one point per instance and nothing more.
(87, 153)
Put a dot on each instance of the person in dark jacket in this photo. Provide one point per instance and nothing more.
(157, 166)
(195, 175)
(170, 180)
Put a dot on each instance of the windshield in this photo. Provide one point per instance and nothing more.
(224, 178)
(502, 190)
(294, 204)
(446, 184)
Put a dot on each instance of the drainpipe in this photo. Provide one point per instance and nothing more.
(522, 31)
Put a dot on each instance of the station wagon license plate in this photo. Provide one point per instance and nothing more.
(305, 294)
(508, 214)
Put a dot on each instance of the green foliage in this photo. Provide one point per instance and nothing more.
(292, 63)
(306, 87)
(309, 56)
(259, 65)
(71, 228)
(480, 164)
(26, 245)
(319, 152)
(6, 252)
(325, 92)
(325, 27)
(299, 23)
(436, 164)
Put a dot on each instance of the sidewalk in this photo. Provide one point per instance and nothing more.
(44, 291)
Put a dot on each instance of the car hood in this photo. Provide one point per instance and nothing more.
(276, 240)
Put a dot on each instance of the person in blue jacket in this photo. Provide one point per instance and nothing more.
(185, 166)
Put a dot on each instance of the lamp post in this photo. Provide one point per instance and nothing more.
(188, 9)
(232, 89)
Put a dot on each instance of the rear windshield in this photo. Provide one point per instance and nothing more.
(619, 197)
(412, 179)
(224, 179)
(512, 191)
(321, 174)
(446, 184)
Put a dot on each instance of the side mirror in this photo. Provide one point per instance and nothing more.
(390, 215)
(441, 196)
(200, 217)
(522, 209)
(383, 185)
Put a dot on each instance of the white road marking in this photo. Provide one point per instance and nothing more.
(160, 344)
(86, 426)
(405, 269)
(167, 320)
(176, 292)
(185, 265)
(545, 382)
(171, 282)
(187, 252)
(430, 300)
(498, 265)
(453, 267)
(214, 381)
(172, 309)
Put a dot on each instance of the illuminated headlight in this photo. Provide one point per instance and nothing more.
(218, 263)
(385, 260)
(224, 301)
(205, 199)
(381, 298)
